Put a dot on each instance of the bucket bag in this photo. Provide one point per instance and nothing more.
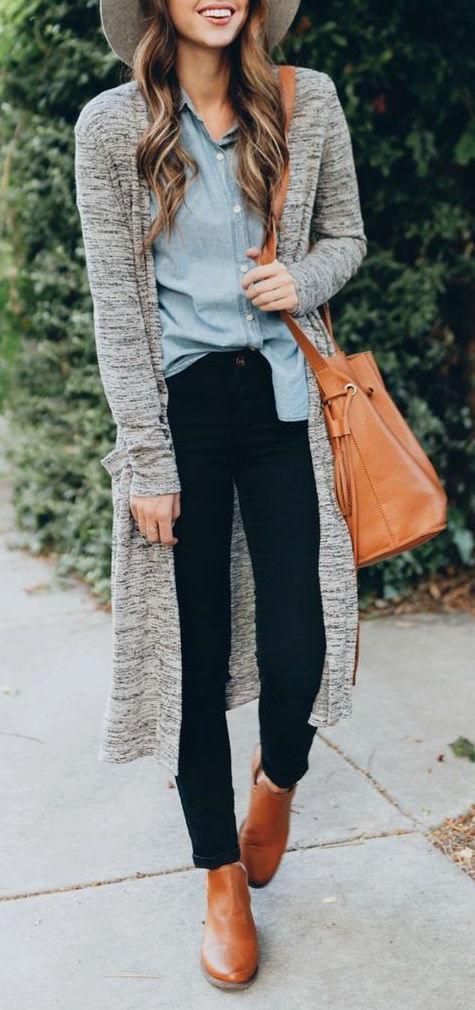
(386, 487)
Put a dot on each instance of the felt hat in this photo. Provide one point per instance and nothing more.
(123, 24)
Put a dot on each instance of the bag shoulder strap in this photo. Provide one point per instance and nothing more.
(287, 87)
(287, 84)
(287, 81)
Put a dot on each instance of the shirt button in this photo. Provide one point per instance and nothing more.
(250, 316)
(243, 268)
(236, 208)
(220, 156)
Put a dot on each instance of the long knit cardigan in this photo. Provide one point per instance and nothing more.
(322, 243)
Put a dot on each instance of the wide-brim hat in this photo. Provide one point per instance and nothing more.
(123, 23)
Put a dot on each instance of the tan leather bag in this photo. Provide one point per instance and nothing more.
(386, 487)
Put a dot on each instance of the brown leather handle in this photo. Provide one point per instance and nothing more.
(269, 249)
(317, 360)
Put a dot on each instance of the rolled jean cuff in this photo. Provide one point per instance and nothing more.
(285, 782)
(211, 862)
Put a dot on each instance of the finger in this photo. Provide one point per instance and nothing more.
(147, 524)
(268, 291)
(279, 305)
(166, 533)
(261, 272)
(277, 278)
(176, 508)
(152, 531)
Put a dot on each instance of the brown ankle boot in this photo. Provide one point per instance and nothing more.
(263, 833)
(229, 954)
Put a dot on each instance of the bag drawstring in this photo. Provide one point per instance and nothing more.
(343, 471)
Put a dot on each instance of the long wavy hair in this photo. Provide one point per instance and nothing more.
(261, 148)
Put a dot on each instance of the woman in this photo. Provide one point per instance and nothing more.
(232, 568)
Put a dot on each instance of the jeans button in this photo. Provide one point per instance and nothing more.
(240, 359)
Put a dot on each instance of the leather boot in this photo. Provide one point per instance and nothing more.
(229, 954)
(263, 833)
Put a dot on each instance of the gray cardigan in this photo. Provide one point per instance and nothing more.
(322, 242)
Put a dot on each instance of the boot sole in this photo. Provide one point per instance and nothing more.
(220, 983)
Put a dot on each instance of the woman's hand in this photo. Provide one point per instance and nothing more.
(270, 286)
(155, 516)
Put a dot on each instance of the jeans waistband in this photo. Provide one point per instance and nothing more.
(244, 354)
(226, 360)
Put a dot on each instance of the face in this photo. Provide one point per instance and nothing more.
(207, 23)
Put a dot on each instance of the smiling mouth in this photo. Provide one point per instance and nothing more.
(217, 15)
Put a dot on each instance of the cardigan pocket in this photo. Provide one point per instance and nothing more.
(114, 461)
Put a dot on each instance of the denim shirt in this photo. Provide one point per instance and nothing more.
(199, 270)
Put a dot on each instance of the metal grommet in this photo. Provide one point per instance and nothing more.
(351, 385)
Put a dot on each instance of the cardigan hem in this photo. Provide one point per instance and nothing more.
(151, 749)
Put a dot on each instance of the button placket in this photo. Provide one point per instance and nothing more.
(243, 241)
(226, 180)
(251, 335)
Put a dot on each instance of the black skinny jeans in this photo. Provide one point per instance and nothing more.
(224, 426)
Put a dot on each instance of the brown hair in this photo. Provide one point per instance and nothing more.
(261, 148)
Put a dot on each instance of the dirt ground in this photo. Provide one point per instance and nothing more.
(456, 837)
(442, 593)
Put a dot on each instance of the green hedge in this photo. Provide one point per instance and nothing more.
(405, 79)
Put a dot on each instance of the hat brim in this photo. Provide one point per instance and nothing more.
(123, 24)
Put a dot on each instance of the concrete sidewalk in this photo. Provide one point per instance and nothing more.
(100, 905)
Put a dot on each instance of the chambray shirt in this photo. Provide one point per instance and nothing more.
(199, 270)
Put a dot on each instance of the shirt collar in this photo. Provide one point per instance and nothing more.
(184, 97)
(186, 100)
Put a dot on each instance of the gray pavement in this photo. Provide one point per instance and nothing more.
(100, 906)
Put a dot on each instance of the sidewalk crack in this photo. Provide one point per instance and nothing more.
(368, 775)
(153, 874)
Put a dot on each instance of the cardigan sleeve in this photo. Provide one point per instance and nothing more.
(123, 352)
(338, 241)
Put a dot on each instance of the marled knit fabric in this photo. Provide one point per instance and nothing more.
(322, 243)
